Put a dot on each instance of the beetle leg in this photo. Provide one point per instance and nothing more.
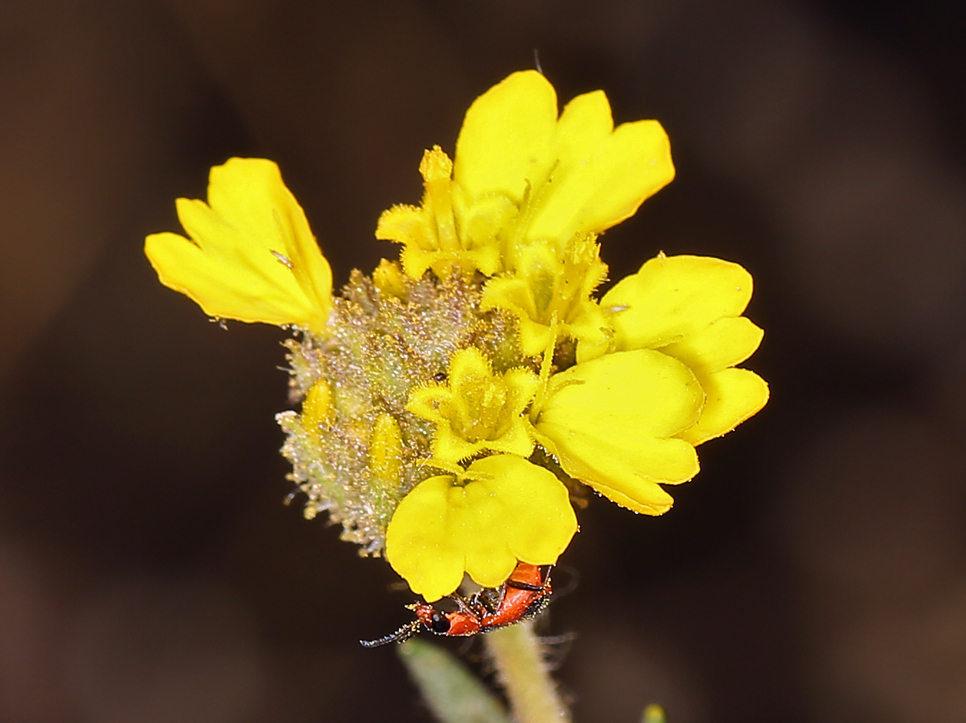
(473, 606)
(491, 598)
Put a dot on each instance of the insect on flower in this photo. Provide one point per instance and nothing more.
(524, 595)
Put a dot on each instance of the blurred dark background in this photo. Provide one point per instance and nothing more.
(813, 571)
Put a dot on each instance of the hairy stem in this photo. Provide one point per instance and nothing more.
(517, 654)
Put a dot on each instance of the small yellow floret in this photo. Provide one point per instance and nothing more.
(249, 254)
(429, 233)
(389, 279)
(510, 510)
(317, 405)
(550, 283)
(477, 409)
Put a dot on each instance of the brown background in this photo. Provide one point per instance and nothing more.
(815, 569)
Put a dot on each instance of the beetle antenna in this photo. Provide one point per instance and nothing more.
(400, 636)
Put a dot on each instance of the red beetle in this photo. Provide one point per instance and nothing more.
(525, 594)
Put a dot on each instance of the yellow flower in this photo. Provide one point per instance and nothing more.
(522, 174)
(249, 254)
(552, 287)
(429, 232)
(614, 423)
(510, 510)
(628, 386)
(626, 418)
(690, 307)
(478, 410)
(567, 175)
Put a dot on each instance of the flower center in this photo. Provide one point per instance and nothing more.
(478, 410)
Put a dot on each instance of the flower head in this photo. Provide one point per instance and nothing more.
(451, 401)
(249, 254)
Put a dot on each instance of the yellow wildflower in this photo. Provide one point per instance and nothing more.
(690, 307)
(523, 174)
(552, 287)
(429, 232)
(509, 510)
(568, 175)
(478, 410)
(509, 229)
(249, 254)
(626, 418)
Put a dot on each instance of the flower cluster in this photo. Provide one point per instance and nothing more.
(453, 401)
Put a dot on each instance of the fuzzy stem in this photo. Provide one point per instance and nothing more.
(518, 657)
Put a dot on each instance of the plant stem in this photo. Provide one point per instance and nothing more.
(452, 693)
(518, 656)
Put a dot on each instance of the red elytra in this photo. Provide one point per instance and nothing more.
(525, 594)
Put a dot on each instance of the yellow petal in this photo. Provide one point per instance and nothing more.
(251, 255)
(733, 395)
(405, 224)
(505, 136)
(417, 542)
(538, 515)
(723, 344)
(511, 511)
(672, 297)
(641, 496)
(595, 189)
(516, 294)
(690, 308)
(481, 528)
(656, 393)
(583, 125)
(613, 424)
